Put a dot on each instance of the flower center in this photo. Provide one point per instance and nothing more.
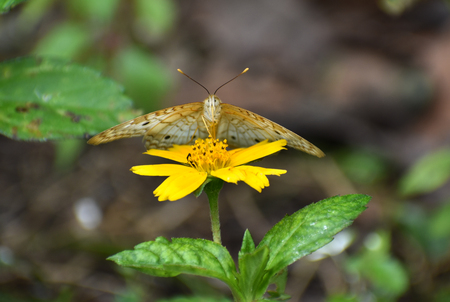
(208, 155)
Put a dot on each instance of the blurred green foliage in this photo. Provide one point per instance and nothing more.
(388, 278)
(442, 295)
(395, 7)
(66, 152)
(32, 13)
(90, 35)
(66, 41)
(363, 167)
(97, 12)
(195, 299)
(134, 293)
(6, 5)
(428, 231)
(342, 298)
(426, 175)
(144, 77)
(65, 295)
(156, 17)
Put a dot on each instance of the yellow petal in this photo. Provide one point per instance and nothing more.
(256, 181)
(256, 178)
(255, 152)
(262, 170)
(176, 153)
(179, 185)
(161, 170)
(229, 174)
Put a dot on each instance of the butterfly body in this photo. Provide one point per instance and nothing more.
(183, 124)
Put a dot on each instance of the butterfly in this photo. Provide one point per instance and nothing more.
(183, 124)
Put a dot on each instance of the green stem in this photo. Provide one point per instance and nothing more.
(212, 189)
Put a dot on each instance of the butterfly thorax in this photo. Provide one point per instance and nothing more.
(211, 109)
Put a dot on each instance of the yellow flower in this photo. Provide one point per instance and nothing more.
(209, 158)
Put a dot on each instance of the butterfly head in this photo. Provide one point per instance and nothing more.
(212, 108)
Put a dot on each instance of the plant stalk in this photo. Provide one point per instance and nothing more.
(212, 190)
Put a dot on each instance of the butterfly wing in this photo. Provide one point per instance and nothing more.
(161, 129)
(243, 128)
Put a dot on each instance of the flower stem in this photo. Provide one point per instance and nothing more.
(212, 189)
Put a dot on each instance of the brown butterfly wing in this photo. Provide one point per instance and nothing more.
(243, 128)
(161, 129)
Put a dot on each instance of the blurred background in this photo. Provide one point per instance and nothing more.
(368, 82)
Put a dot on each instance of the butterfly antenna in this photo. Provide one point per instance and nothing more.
(245, 70)
(180, 71)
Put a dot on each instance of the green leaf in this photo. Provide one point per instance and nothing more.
(50, 99)
(280, 280)
(6, 5)
(310, 228)
(428, 174)
(253, 279)
(183, 255)
(248, 245)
